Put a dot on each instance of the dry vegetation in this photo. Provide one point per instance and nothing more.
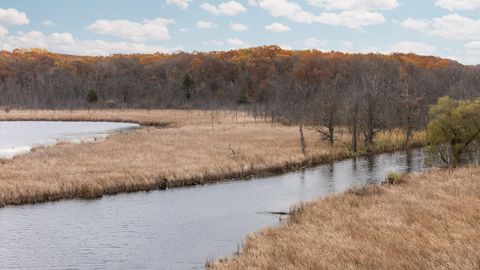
(158, 118)
(196, 147)
(430, 221)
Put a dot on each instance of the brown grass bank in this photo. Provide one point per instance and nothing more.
(430, 221)
(197, 147)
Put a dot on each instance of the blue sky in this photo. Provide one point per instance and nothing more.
(447, 28)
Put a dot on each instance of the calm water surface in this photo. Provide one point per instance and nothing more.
(173, 229)
(18, 137)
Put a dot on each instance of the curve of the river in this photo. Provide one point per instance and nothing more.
(172, 229)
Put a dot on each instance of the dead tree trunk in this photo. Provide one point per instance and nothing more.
(303, 145)
(355, 128)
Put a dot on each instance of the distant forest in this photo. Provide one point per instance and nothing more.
(327, 89)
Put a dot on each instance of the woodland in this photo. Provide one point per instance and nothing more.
(333, 91)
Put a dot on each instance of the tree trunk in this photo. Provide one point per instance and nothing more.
(303, 145)
(354, 138)
(408, 135)
(355, 127)
(331, 134)
(369, 140)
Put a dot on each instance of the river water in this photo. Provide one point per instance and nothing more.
(173, 229)
(17, 137)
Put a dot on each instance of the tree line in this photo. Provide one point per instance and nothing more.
(328, 90)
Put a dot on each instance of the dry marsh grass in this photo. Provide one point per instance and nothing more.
(142, 117)
(191, 150)
(430, 221)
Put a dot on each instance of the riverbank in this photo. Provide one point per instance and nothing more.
(194, 147)
(429, 221)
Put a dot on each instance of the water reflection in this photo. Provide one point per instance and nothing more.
(354, 164)
(173, 229)
(371, 166)
(408, 157)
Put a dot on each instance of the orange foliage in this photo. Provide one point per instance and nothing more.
(251, 56)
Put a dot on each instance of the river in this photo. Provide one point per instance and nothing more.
(173, 229)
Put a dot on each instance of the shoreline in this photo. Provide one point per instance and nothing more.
(291, 168)
(109, 182)
(209, 180)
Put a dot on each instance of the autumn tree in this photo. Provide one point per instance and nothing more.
(331, 94)
(410, 100)
(352, 109)
(372, 86)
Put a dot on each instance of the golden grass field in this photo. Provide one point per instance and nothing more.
(430, 221)
(192, 147)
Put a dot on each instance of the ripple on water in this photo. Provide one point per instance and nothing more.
(174, 229)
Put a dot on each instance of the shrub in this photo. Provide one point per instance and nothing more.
(110, 103)
(393, 178)
(243, 99)
(92, 96)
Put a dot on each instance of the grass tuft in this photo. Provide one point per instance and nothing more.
(366, 190)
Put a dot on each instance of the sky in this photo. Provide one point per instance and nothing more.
(445, 28)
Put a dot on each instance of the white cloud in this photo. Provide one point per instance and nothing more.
(419, 25)
(148, 30)
(3, 31)
(472, 57)
(229, 8)
(364, 5)
(236, 42)
(412, 47)
(49, 23)
(32, 39)
(183, 30)
(474, 45)
(313, 43)
(66, 43)
(284, 8)
(205, 25)
(351, 18)
(252, 3)
(458, 4)
(11, 16)
(451, 26)
(182, 4)
(238, 27)
(62, 38)
(347, 44)
(277, 27)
